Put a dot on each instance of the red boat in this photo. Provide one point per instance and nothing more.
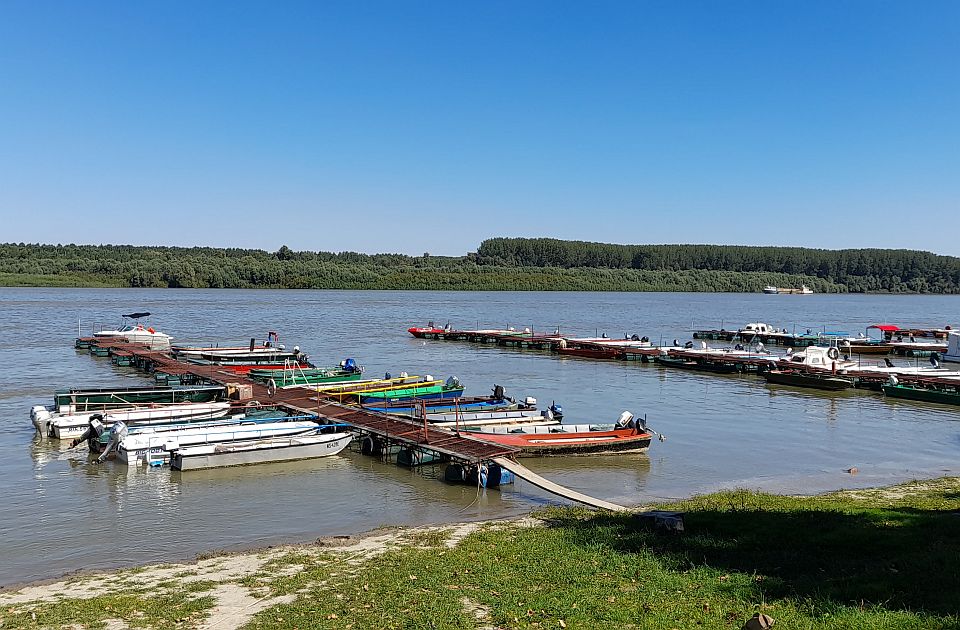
(568, 439)
(246, 367)
(430, 329)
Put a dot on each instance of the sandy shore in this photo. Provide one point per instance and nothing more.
(220, 576)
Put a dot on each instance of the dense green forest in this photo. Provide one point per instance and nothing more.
(499, 264)
(857, 270)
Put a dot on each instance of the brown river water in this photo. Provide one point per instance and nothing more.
(62, 513)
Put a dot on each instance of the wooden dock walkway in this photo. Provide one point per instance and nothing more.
(305, 401)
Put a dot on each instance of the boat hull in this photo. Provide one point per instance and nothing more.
(69, 427)
(541, 444)
(812, 381)
(105, 399)
(923, 394)
(261, 452)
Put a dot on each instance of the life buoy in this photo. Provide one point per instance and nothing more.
(833, 353)
(271, 388)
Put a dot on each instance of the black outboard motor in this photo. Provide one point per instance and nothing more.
(556, 410)
(935, 359)
(92, 434)
(498, 392)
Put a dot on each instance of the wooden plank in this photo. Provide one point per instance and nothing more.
(554, 488)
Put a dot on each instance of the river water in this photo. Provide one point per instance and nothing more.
(62, 513)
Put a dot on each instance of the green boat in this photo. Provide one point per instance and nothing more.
(305, 376)
(946, 394)
(79, 399)
(425, 392)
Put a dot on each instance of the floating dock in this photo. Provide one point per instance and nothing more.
(424, 443)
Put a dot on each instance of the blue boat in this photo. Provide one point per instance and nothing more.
(405, 407)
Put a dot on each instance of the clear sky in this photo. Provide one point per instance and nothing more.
(412, 126)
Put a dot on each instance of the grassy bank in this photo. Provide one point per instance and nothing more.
(60, 280)
(887, 558)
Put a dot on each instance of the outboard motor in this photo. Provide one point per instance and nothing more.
(117, 434)
(350, 365)
(93, 432)
(935, 359)
(452, 382)
(556, 410)
(688, 345)
(676, 343)
(530, 401)
(625, 421)
(387, 376)
(498, 392)
(404, 375)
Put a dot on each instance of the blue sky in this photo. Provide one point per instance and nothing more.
(428, 126)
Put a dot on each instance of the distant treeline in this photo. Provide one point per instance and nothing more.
(499, 264)
(857, 270)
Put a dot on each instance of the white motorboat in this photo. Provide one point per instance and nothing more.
(69, 426)
(245, 452)
(148, 444)
(138, 333)
(832, 359)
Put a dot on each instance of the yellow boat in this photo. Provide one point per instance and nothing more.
(362, 386)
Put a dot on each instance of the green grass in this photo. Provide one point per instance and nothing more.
(823, 562)
(59, 280)
(873, 559)
(177, 610)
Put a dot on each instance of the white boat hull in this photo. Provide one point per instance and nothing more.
(145, 446)
(259, 451)
(72, 426)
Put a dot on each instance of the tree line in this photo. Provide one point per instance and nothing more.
(498, 264)
(857, 270)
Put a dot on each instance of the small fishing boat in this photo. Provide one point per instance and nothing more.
(260, 451)
(484, 418)
(429, 331)
(942, 391)
(79, 400)
(246, 368)
(150, 443)
(268, 355)
(813, 380)
(625, 436)
(452, 388)
(69, 426)
(466, 404)
(366, 385)
(699, 364)
(348, 370)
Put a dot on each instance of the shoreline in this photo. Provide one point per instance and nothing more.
(220, 589)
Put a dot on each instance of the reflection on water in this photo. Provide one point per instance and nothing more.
(64, 512)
